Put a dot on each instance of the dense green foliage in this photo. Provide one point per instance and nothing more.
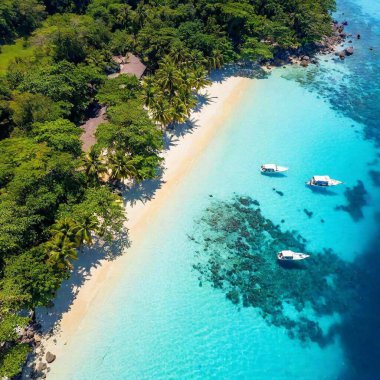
(130, 136)
(12, 360)
(54, 197)
(19, 17)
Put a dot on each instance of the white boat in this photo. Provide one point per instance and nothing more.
(272, 168)
(291, 256)
(323, 181)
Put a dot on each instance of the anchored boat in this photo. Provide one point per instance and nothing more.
(323, 181)
(291, 256)
(272, 169)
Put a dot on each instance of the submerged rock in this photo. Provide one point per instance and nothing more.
(342, 55)
(308, 213)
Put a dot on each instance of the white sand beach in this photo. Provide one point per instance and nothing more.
(179, 158)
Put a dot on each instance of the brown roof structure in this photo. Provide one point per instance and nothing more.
(130, 64)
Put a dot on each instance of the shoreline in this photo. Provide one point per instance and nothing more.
(179, 159)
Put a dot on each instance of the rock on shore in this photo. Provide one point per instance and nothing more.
(50, 357)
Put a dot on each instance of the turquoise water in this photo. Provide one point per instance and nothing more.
(159, 323)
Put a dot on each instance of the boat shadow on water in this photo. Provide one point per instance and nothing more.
(321, 190)
(291, 264)
(274, 175)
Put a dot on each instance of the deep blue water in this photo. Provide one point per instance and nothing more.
(169, 317)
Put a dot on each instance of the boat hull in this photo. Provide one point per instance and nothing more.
(331, 184)
(278, 170)
(294, 257)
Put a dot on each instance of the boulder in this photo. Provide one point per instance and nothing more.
(50, 357)
(345, 23)
(30, 333)
(349, 50)
(41, 366)
(37, 340)
(342, 55)
(304, 63)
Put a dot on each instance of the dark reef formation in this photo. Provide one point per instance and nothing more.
(357, 199)
(237, 249)
(375, 176)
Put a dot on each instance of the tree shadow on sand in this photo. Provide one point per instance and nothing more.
(179, 130)
(203, 99)
(241, 69)
(143, 191)
(89, 258)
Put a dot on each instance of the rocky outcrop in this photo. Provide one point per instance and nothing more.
(345, 53)
(341, 55)
(305, 55)
(349, 50)
(37, 340)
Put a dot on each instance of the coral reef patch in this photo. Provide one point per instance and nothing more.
(357, 199)
(375, 175)
(236, 253)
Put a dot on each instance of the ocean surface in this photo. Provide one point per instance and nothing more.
(206, 298)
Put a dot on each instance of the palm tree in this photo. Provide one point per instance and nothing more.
(121, 166)
(61, 252)
(216, 60)
(187, 76)
(150, 91)
(195, 60)
(168, 76)
(140, 14)
(200, 78)
(88, 224)
(65, 230)
(179, 56)
(180, 111)
(94, 166)
(161, 112)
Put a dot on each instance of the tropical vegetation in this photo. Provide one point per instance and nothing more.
(54, 198)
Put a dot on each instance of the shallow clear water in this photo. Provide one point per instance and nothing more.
(158, 323)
